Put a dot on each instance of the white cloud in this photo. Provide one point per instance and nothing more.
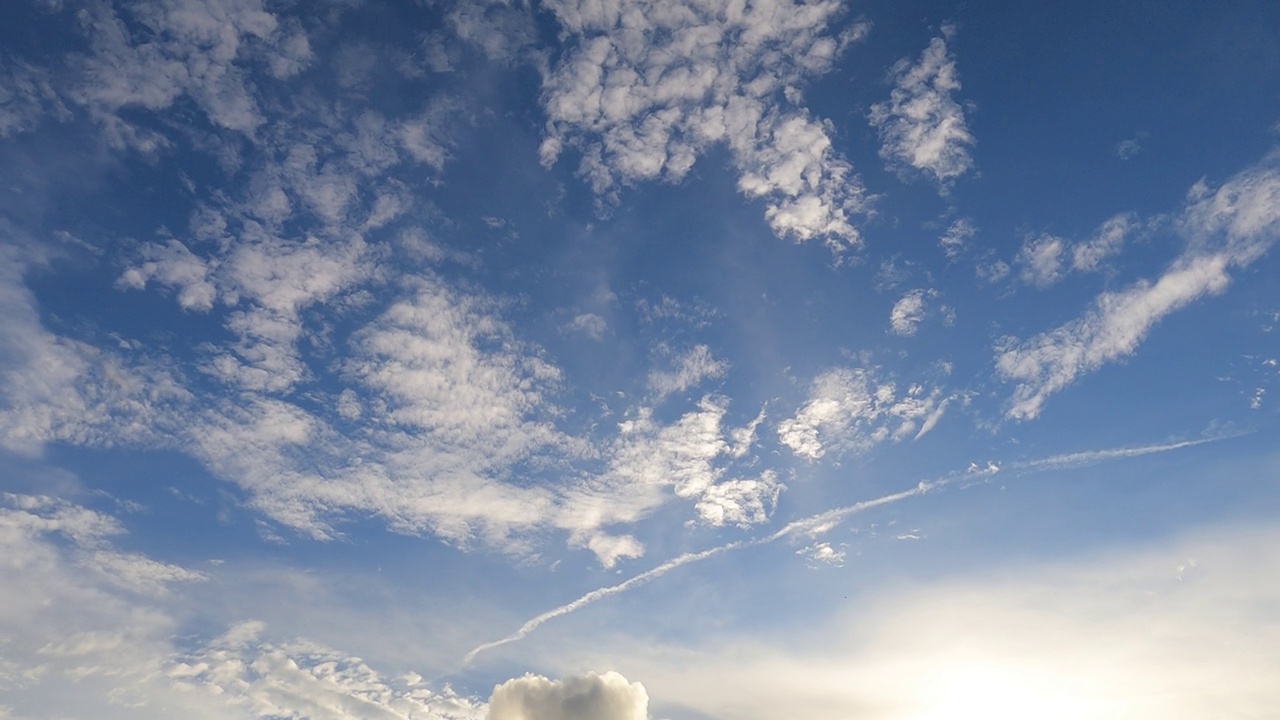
(647, 88)
(743, 502)
(59, 389)
(1041, 259)
(992, 272)
(589, 324)
(27, 95)
(851, 410)
(193, 49)
(103, 643)
(588, 697)
(909, 311)
(690, 370)
(822, 553)
(953, 242)
(922, 126)
(1228, 228)
(1126, 149)
(1105, 242)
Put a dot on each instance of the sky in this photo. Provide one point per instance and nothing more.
(639, 359)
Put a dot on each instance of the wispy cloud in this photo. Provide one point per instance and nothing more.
(1224, 229)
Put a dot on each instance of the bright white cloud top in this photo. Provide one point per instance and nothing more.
(637, 359)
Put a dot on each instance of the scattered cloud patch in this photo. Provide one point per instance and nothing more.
(1228, 228)
(922, 126)
(690, 370)
(822, 554)
(643, 91)
(852, 410)
(909, 311)
(589, 324)
(955, 240)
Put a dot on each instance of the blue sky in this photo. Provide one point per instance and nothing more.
(650, 359)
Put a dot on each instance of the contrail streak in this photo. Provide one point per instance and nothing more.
(830, 518)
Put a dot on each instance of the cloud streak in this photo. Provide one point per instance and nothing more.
(823, 522)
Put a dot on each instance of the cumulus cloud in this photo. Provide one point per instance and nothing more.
(648, 87)
(852, 410)
(1224, 229)
(589, 697)
(922, 126)
(909, 311)
(1041, 260)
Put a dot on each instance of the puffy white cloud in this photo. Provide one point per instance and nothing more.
(1041, 260)
(1224, 229)
(589, 697)
(742, 502)
(909, 311)
(647, 87)
(922, 126)
(822, 553)
(852, 410)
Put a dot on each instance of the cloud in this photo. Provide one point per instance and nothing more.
(822, 553)
(690, 370)
(589, 324)
(60, 389)
(852, 410)
(193, 50)
(1105, 242)
(1046, 259)
(588, 697)
(922, 126)
(644, 90)
(953, 242)
(1224, 229)
(811, 527)
(92, 631)
(909, 311)
(1041, 259)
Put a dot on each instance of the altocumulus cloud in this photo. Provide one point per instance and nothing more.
(589, 697)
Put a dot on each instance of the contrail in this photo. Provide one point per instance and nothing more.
(1090, 457)
(830, 518)
(810, 524)
(605, 592)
